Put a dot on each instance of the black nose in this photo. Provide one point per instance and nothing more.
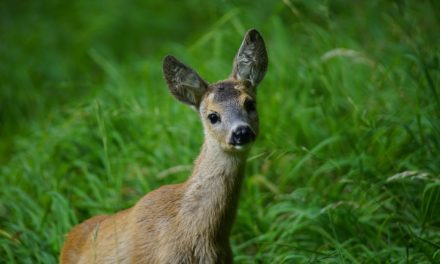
(242, 135)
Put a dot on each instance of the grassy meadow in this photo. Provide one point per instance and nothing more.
(347, 165)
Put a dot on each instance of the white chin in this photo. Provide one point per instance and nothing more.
(242, 147)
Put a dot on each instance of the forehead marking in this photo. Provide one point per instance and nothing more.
(224, 91)
(227, 90)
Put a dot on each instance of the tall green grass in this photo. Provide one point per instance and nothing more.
(347, 166)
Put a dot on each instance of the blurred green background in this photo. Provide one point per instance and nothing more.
(347, 166)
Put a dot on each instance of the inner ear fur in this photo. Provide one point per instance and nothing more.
(184, 83)
(250, 63)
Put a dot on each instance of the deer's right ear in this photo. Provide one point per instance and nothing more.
(184, 83)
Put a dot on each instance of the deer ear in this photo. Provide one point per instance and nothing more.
(184, 83)
(250, 63)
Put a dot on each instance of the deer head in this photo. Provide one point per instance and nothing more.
(227, 108)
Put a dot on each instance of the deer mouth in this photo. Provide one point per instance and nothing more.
(242, 145)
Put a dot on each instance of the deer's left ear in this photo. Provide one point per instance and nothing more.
(184, 83)
(250, 63)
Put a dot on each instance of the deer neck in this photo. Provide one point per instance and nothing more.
(210, 201)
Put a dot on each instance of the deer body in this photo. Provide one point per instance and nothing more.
(188, 222)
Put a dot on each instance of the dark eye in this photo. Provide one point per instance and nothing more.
(214, 118)
(249, 105)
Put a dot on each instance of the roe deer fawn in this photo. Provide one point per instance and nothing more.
(188, 222)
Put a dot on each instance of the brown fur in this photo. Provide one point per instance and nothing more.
(188, 222)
